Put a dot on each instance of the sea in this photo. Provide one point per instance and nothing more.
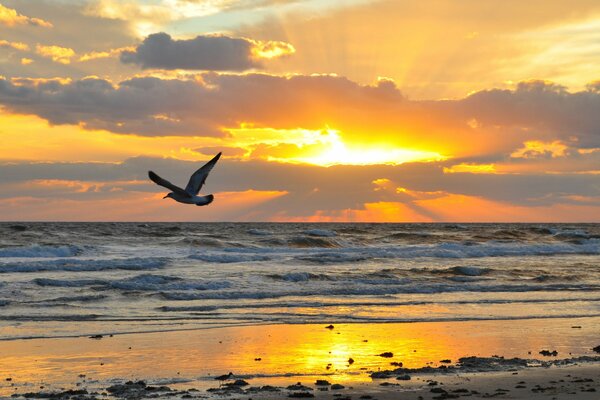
(79, 279)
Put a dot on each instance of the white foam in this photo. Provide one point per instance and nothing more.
(37, 251)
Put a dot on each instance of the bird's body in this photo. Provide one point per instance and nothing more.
(189, 195)
(197, 200)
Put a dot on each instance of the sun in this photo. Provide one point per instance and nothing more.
(337, 152)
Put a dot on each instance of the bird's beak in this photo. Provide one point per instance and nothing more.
(165, 196)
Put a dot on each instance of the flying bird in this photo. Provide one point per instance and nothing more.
(189, 195)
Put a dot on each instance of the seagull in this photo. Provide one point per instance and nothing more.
(189, 195)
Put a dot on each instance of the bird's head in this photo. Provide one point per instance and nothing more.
(168, 195)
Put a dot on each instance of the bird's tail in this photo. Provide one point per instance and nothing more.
(206, 200)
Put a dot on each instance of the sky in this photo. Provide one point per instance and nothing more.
(345, 110)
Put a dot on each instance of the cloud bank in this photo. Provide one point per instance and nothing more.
(210, 53)
(485, 123)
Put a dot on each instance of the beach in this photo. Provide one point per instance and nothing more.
(268, 359)
(346, 310)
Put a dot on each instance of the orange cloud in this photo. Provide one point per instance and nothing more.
(11, 17)
(135, 206)
(537, 149)
(458, 208)
(471, 168)
(14, 45)
(95, 55)
(58, 54)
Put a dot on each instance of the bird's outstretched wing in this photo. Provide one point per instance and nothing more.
(199, 177)
(165, 183)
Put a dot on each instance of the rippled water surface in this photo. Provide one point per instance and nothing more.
(65, 279)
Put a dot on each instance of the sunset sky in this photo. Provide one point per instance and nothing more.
(325, 110)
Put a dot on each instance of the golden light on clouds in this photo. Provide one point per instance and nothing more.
(324, 147)
(272, 49)
(471, 168)
(14, 45)
(58, 54)
(494, 115)
(536, 148)
(11, 17)
(336, 151)
(112, 53)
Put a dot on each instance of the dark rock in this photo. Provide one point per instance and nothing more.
(96, 337)
(396, 364)
(438, 390)
(322, 382)
(387, 354)
(460, 391)
(301, 395)
(54, 395)
(224, 377)
(298, 386)
(18, 228)
(350, 361)
(238, 383)
(329, 327)
(337, 386)
(446, 361)
(381, 375)
(596, 349)
(548, 353)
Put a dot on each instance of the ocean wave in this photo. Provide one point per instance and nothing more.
(159, 282)
(69, 283)
(145, 282)
(259, 232)
(368, 303)
(204, 242)
(300, 277)
(332, 258)
(227, 258)
(74, 265)
(320, 233)
(308, 241)
(75, 299)
(376, 288)
(413, 236)
(39, 251)
(327, 250)
(467, 250)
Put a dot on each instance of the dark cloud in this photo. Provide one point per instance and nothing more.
(548, 111)
(213, 53)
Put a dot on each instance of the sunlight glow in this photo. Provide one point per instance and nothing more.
(336, 152)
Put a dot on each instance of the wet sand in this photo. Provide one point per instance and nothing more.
(351, 355)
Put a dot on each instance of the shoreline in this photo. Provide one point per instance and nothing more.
(104, 334)
(282, 355)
